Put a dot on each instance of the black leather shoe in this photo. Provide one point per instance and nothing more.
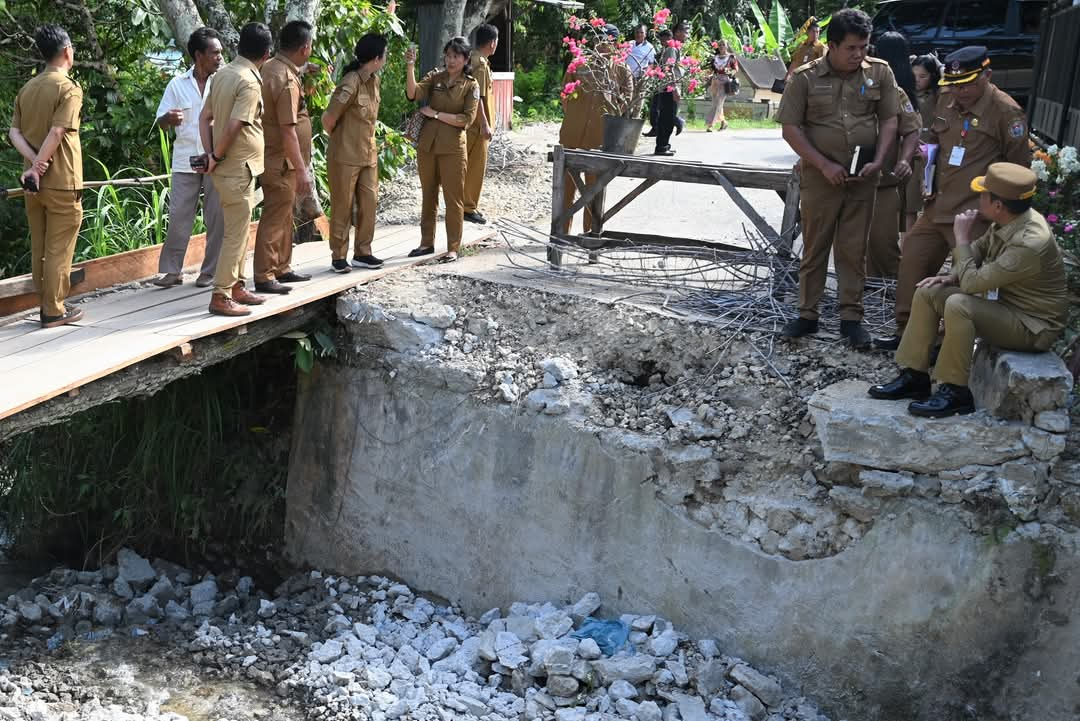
(909, 384)
(889, 342)
(799, 327)
(422, 250)
(475, 217)
(272, 286)
(293, 277)
(949, 400)
(664, 151)
(650, 134)
(856, 335)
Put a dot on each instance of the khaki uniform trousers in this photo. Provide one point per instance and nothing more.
(447, 170)
(836, 219)
(883, 246)
(476, 167)
(54, 217)
(966, 317)
(237, 201)
(351, 184)
(926, 246)
(274, 238)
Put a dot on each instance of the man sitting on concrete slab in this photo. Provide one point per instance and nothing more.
(1007, 287)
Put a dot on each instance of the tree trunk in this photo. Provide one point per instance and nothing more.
(302, 10)
(478, 12)
(219, 18)
(453, 15)
(183, 18)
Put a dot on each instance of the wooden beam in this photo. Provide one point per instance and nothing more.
(558, 189)
(751, 212)
(24, 284)
(589, 193)
(639, 166)
(185, 353)
(641, 188)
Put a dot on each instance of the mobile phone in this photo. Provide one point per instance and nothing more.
(199, 162)
(29, 184)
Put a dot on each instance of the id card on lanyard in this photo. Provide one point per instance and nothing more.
(956, 157)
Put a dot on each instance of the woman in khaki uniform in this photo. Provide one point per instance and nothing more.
(451, 96)
(351, 159)
(927, 74)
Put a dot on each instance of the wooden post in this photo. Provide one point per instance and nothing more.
(789, 229)
(558, 181)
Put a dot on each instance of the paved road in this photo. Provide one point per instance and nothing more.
(689, 210)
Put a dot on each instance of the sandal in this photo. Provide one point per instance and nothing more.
(449, 257)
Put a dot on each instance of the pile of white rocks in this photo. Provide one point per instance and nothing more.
(346, 648)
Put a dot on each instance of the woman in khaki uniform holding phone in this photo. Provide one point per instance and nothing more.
(351, 159)
(451, 97)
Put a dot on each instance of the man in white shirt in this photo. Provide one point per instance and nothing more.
(179, 108)
(642, 54)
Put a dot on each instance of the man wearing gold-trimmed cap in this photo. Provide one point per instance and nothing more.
(1007, 287)
(975, 124)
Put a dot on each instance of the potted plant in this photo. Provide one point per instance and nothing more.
(598, 67)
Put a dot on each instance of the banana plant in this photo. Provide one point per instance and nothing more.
(780, 25)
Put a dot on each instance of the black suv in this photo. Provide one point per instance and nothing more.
(1008, 28)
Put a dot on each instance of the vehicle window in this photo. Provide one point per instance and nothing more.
(909, 19)
(1030, 16)
(975, 18)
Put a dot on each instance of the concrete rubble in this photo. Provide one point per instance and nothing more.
(366, 647)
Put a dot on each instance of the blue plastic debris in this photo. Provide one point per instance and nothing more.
(610, 636)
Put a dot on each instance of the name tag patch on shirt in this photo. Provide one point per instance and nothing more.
(956, 157)
(1017, 129)
(992, 294)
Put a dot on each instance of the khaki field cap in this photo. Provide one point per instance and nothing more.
(964, 65)
(1006, 180)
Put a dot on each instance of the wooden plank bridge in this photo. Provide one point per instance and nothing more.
(130, 325)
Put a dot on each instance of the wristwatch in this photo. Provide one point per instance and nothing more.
(217, 159)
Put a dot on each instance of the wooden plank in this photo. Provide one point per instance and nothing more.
(51, 371)
(641, 167)
(558, 189)
(750, 211)
(638, 190)
(24, 284)
(591, 192)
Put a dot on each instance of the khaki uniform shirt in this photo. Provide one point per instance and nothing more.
(1020, 261)
(838, 114)
(52, 100)
(807, 52)
(908, 121)
(355, 107)
(927, 108)
(993, 130)
(481, 69)
(583, 117)
(458, 98)
(237, 94)
(283, 104)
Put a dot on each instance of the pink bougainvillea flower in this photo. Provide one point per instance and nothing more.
(570, 88)
(597, 22)
(691, 86)
(715, 45)
(1053, 193)
(1052, 218)
(669, 89)
(748, 49)
(670, 61)
(1070, 228)
(661, 16)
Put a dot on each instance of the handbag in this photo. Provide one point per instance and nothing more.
(414, 123)
(732, 87)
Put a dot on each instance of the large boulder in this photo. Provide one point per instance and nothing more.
(1019, 385)
(854, 428)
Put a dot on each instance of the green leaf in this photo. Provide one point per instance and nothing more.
(770, 44)
(780, 25)
(730, 36)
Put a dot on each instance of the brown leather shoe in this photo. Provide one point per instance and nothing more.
(242, 295)
(222, 305)
(168, 280)
(271, 286)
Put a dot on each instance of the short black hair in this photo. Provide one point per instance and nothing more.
(1016, 207)
(460, 46)
(199, 41)
(295, 35)
(255, 41)
(485, 34)
(848, 22)
(370, 47)
(51, 40)
(665, 33)
(930, 64)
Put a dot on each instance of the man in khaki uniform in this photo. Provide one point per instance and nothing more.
(605, 84)
(45, 131)
(809, 50)
(287, 135)
(834, 108)
(883, 247)
(1008, 287)
(231, 125)
(975, 125)
(478, 135)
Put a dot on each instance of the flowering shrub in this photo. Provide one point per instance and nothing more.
(1058, 194)
(595, 59)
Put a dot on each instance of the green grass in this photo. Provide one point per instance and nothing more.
(735, 124)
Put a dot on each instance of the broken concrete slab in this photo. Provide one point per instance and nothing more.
(1017, 386)
(855, 428)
